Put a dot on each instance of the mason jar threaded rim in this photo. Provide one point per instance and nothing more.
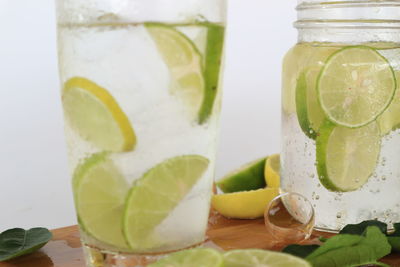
(367, 14)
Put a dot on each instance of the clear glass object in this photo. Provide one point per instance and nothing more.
(289, 218)
(141, 92)
(340, 106)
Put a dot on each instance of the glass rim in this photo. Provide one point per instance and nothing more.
(316, 4)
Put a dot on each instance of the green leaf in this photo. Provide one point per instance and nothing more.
(17, 242)
(394, 238)
(359, 229)
(347, 250)
(396, 227)
(394, 241)
(301, 251)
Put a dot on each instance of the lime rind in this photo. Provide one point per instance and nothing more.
(302, 106)
(332, 117)
(346, 158)
(153, 197)
(114, 133)
(248, 177)
(204, 257)
(212, 69)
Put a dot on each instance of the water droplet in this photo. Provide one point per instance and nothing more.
(383, 178)
(339, 215)
(317, 197)
(312, 175)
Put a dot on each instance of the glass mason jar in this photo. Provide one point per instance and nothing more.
(341, 111)
(141, 94)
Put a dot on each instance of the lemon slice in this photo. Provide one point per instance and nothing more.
(261, 258)
(346, 157)
(244, 205)
(154, 196)
(93, 112)
(248, 177)
(199, 257)
(272, 171)
(355, 86)
(100, 191)
(185, 64)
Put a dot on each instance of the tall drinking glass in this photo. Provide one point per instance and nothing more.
(141, 95)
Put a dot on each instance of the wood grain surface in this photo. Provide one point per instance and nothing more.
(65, 249)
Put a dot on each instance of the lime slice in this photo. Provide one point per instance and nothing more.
(390, 119)
(203, 257)
(261, 258)
(293, 64)
(100, 192)
(355, 86)
(346, 157)
(244, 205)
(93, 112)
(185, 64)
(272, 171)
(302, 55)
(248, 177)
(309, 111)
(194, 84)
(156, 194)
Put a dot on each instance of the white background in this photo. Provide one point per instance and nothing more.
(34, 181)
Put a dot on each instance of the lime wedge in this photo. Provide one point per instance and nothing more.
(309, 111)
(244, 205)
(185, 64)
(355, 86)
(390, 118)
(272, 171)
(261, 258)
(202, 257)
(93, 112)
(248, 177)
(346, 157)
(156, 194)
(100, 191)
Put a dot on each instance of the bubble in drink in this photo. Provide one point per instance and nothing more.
(289, 218)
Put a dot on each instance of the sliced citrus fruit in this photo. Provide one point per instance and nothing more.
(185, 64)
(355, 86)
(248, 177)
(198, 257)
(100, 192)
(259, 258)
(309, 111)
(195, 80)
(212, 68)
(94, 113)
(272, 171)
(244, 205)
(346, 157)
(390, 118)
(302, 55)
(154, 196)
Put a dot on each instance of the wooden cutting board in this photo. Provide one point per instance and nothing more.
(65, 248)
